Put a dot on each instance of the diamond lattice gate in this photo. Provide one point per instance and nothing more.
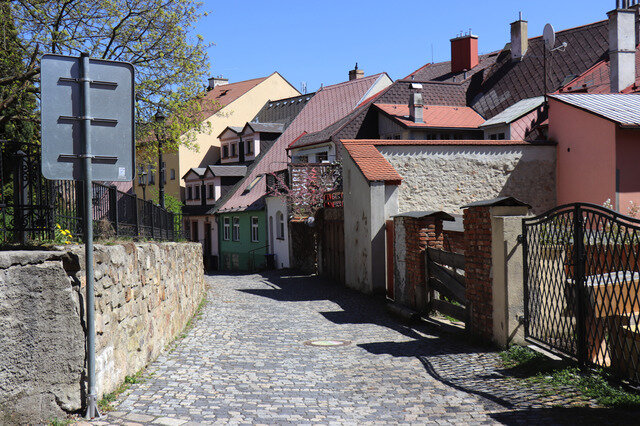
(581, 285)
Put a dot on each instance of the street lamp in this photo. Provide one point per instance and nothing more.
(160, 119)
(143, 184)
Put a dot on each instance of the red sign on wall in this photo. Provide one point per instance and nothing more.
(333, 200)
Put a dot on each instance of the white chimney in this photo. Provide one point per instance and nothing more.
(622, 46)
(415, 108)
(519, 39)
(217, 81)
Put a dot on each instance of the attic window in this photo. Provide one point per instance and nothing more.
(253, 183)
(224, 93)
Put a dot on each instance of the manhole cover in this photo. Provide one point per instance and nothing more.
(327, 343)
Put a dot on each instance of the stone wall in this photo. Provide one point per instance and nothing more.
(448, 177)
(145, 294)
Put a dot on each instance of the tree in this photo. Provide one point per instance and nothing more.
(153, 35)
(17, 98)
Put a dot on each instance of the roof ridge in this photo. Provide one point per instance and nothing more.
(579, 27)
(343, 83)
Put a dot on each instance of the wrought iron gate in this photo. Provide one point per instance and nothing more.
(581, 285)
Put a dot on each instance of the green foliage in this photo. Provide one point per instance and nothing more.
(61, 235)
(17, 99)
(153, 35)
(171, 203)
(596, 385)
(105, 404)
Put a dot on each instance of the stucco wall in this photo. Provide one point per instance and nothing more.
(586, 154)
(627, 155)
(448, 177)
(357, 227)
(145, 293)
(242, 255)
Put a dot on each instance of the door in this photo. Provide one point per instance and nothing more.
(208, 264)
(333, 245)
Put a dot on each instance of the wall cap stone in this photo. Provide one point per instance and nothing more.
(500, 201)
(438, 214)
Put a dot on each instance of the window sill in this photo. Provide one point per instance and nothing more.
(280, 238)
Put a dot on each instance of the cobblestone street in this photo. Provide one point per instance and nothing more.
(248, 360)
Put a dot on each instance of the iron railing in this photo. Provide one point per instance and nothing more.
(31, 206)
(582, 285)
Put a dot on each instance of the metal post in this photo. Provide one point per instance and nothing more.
(160, 175)
(578, 279)
(92, 396)
(113, 206)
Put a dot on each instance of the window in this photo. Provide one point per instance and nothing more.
(226, 229)
(189, 193)
(249, 149)
(322, 157)
(280, 225)
(197, 188)
(233, 149)
(225, 151)
(151, 177)
(173, 174)
(211, 192)
(255, 237)
(236, 229)
(303, 159)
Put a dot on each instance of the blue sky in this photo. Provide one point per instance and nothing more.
(319, 41)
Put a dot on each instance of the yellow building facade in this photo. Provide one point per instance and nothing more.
(239, 103)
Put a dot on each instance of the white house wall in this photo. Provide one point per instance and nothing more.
(357, 227)
(279, 247)
(448, 177)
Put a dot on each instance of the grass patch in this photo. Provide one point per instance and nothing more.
(58, 422)
(597, 385)
(105, 404)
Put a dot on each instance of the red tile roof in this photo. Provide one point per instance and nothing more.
(327, 106)
(375, 167)
(597, 79)
(435, 116)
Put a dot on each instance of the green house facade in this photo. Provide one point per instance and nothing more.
(242, 240)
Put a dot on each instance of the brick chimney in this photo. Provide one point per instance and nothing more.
(519, 39)
(415, 108)
(622, 46)
(217, 81)
(355, 73)
(464, 53)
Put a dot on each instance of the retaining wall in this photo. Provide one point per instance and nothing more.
(145, 294)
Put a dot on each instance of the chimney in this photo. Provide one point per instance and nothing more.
(355, 73)
(415, 108)
(217, 81)
(622, 46)
(519, 39)
(464, 52)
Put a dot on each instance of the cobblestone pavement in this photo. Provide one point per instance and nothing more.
(246, 362)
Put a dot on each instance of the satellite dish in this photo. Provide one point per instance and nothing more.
(549, 36)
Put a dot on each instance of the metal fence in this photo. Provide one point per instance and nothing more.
(582, 285)
(31, 206)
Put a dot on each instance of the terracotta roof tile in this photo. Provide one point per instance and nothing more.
(435, 116)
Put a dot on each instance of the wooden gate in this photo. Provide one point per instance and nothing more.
(333, 244)
(446, 283)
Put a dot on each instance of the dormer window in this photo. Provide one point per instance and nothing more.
(197, 188)
(249, 149)
(189, 193)
(233, 149)
(225, 151)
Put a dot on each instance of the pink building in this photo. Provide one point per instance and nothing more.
(598, 152)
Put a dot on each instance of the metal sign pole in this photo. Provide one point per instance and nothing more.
(92, 397)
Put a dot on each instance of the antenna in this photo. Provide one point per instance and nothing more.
(549, 36)
(303, 87)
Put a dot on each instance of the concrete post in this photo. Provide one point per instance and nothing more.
(507, 286)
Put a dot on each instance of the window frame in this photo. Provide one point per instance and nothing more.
(173, 174)
(225, 150)
(226, 229)
(255, 229)
(235, 232)
(189, 192)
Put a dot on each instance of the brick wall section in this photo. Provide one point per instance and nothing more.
(420, 234)
(454, 241)
(477, 225)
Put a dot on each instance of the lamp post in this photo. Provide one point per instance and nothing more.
(143, 184)
(160, 119)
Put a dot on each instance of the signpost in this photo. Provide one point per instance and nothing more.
(87, 115)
